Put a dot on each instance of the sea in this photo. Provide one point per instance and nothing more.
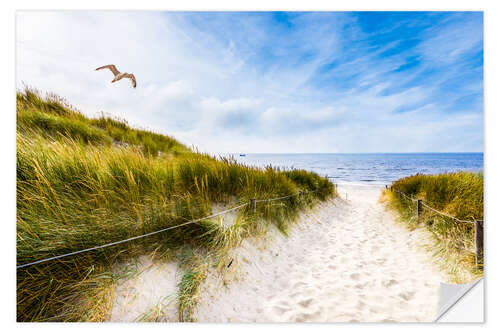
(368, 169)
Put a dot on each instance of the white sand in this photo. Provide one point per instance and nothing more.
(149, 290)
(345, 261)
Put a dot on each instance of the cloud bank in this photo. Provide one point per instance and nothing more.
(270, 82)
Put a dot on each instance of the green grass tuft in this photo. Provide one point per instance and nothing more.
(458, 194)
(84, 182)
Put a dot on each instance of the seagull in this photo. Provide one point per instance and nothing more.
(118, 75)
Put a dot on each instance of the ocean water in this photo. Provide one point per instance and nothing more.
(374, 169)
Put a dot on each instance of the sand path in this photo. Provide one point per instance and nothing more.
(344, 261)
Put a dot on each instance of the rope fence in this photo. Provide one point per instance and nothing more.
(422, 203)
(275, 199)
(252, 205)
(478, 224)
(444, 214)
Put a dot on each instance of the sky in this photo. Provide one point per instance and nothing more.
(269, 82)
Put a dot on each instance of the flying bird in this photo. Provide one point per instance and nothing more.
(118, 75)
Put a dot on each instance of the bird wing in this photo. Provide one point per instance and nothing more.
(112, 68)
(132, 78)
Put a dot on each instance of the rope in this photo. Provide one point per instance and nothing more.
(444, 214)
(286, 196)
(435, 210)
(154, 232)
(129, 239)
(274, 199)
(407, 196)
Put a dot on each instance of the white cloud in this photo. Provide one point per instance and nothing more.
(217, 89)
(448, 42)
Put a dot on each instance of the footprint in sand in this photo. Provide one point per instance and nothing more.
(389, 283)
(353, 267)
(389, 320)
(306, 303)
(302, 317)
(354, 276)
(361, 305)
(360, 285)
(407, 295)
(299, 285)
(280, 310)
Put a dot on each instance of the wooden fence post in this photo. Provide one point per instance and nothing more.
(478, 231)
(253, 205)
(419, 208)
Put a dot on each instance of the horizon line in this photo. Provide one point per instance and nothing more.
(450, 152)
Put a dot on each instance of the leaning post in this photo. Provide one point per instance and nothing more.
(478, 231)
(419, 208)
(253, 205)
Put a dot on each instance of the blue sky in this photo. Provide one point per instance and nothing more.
(271, 81)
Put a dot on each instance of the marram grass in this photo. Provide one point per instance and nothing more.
(459, 194)
(84, 182)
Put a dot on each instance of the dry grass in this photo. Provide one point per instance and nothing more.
(457, 194)
(84, 182)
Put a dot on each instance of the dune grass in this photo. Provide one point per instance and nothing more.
(84, 182)
(457, 194)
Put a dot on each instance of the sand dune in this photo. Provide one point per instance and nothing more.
(147, 292)
(346, 261)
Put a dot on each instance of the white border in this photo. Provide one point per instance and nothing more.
(7, 98)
